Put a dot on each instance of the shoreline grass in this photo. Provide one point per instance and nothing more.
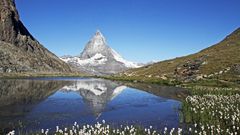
(169, 82)
(40, 75)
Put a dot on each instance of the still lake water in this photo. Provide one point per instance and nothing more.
(34, 104)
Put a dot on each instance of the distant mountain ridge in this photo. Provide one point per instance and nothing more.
(220, 62)
(19, 50)
(99, 59)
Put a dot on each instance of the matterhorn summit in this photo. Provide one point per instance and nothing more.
(96, 45)
(99, 59)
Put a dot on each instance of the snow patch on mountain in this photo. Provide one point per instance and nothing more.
(97, 59)
(128, 64)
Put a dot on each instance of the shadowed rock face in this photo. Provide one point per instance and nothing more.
(12, 28)
(19, 50)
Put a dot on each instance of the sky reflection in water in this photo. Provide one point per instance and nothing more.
(46, 103)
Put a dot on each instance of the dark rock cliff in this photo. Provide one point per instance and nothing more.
(19, 50)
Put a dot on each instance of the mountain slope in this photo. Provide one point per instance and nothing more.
(19, 50)
(220, 61)
(99, 59)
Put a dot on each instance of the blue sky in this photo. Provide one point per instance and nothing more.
(140, 30)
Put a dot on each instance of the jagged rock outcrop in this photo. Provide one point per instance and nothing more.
(19, 50)
(189, 70)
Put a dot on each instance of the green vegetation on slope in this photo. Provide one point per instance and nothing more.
(219, 63)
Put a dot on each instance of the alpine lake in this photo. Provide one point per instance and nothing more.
(29, 105)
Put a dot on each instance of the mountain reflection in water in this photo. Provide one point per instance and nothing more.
(33, 104)
(96, 93)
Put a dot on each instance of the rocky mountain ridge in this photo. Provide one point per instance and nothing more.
(19, 50)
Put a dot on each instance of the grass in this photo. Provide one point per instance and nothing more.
(203, 82)
(220, 57)
(35, 75)
(139, 80)
(212, 110)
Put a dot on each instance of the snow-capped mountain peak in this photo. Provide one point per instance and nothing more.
(98, 58)
(97, 44)
(98, 40)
